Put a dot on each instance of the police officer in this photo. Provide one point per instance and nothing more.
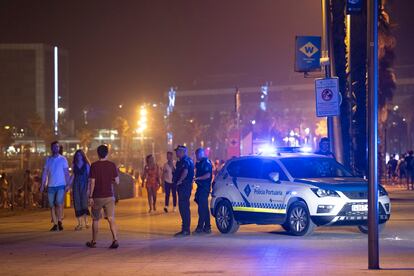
(204, 174)
(183, 178)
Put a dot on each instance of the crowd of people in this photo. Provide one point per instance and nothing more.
(92, 186)
(26, 194)
(177, 179)
(402, 170)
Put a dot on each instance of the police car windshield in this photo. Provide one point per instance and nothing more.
(314, 167)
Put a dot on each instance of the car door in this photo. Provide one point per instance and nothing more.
(244, 174)
(272, 194)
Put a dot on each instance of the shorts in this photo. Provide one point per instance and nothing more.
(56, 195)
(105, 203)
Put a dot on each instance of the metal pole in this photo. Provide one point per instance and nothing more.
(326, 45)
(373, 248)
(237, 109)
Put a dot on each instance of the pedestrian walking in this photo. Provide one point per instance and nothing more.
(392, 168)
(55, 177)
(28, 200)
(183, 178)
(37, 180)
(410, 170)
(169, 186)
(216, 168)
(151, 181)
(203, 178)
(103, 175)
(79, 185)
(402, 168)
(4, 189)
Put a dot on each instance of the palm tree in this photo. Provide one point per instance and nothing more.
(85, 137)
(124, 131)
(37, 126)
(359, 90)
(6, 139)
(387, 82)
(340, 61)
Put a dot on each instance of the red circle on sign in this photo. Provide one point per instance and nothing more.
(327, 95)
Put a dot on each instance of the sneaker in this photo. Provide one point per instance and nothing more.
(91, 244)
(198, 231)
(166, 209)
(54, 228)
(114, 245)
(174, 209)
(60, 226)
(182, 234)
(78, 227)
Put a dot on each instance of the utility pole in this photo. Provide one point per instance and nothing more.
(372, 48)
(333, 123)
(325, 60)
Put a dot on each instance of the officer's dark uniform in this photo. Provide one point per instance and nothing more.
(184, 190)
(203, 167)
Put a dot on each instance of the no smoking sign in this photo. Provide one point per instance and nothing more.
(327, 97)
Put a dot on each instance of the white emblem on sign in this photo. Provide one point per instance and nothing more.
(309, 49)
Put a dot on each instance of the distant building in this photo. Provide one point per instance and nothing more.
(27, 83)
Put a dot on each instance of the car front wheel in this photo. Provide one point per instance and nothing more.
(225, 220)
(299, 220)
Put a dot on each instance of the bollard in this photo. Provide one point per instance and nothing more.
(67, 200)
(12, 193)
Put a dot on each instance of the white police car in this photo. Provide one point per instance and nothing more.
(297, 191)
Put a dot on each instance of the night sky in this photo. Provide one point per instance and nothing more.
(134, 50)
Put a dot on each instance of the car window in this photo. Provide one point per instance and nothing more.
(270, 166)
(248, 168)
(314, 167)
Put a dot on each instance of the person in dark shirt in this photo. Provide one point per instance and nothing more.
(103, 174)
(183, 178)
(392, 168)
(325, 147)
(204, 175)
(410, 169)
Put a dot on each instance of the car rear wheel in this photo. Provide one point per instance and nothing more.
(299, 221)
(364, 228)
(225, 220)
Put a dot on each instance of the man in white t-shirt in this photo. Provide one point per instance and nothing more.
(169, 185)
(55, 176)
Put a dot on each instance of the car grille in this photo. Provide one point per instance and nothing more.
(347, 214)
(356, 195)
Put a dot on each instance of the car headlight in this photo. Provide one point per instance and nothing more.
(382, 191)
(324, 193)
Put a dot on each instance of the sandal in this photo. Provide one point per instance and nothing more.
(78, 227)
(91, 244)
(114, 245)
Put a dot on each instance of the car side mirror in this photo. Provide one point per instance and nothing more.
(274, 176)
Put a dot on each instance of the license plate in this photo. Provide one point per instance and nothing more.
(360, 208)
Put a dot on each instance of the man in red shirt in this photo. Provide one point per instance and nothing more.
(103, 174)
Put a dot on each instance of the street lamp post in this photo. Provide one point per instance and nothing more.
(142, 126)
(372, 48)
